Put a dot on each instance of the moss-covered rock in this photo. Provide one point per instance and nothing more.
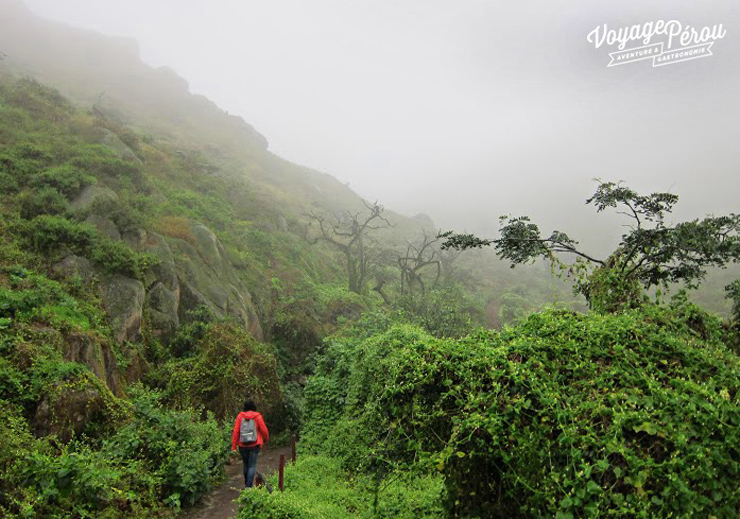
(104, 225)
(94, 352)
(74, 265)
(161, 312)
(123, 300)
(92, 196)
(114, 142)
(208, 280)
(77, 405)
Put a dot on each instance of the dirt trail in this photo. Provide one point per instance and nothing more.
(221, 502)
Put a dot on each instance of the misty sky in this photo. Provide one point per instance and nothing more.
(463, 110)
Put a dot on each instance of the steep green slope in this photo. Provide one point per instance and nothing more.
(106, 73)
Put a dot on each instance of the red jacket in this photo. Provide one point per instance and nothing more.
(262, 435)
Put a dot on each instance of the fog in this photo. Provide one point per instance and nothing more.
(460, 110)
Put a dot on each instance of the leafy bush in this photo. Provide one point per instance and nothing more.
(733, 292)
(103, 161)
(184, 455)
(66, 179)
(228, 366)
(160, 456)
(443, 313)
(32, 296)
(46, 200)
(48, 233)
(318, 487)
(631, 415)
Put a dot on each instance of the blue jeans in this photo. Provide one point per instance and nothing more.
(249, 457)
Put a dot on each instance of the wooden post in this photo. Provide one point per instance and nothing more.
(292, 448)
(281, 470)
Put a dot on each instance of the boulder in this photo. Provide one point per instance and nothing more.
(104, 225)
(161, 310)
(68, 409)
(93, 196)
(208, 246)
(207, 279)
(137, 366)
(73, 265)
(123, 300)
(88, 349)
(135, 238)
(112, 141)
(164, 269)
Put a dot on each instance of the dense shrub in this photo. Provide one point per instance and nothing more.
(40, 100)
(30, 296)
(318, 487)
(159, 456)
(567, 415)
(226, 367)
(66, 179)
(183, 454)
(46, 234)
(733, 292)
(443, 313)
(46, 200)
(104, 162)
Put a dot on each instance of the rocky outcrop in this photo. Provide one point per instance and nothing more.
(104, 225)
(88, 349)
(73, 265)
(187, 274)
(112, 141)
(161, 310)
(207, 279)
(74, 407)
(92, 196)
(123, 300)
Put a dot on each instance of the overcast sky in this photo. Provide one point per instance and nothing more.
(463, 110)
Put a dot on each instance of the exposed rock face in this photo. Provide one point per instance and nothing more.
(75, 266)
(207, 278)
(161, 310)
(87, 349)
(164, 271)
(104, 225)
(163, 287)
(123, 300)
(110, 139)
(186, 275)
(92, 196)
(67, 410)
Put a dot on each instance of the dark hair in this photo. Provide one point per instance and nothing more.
(249, 405)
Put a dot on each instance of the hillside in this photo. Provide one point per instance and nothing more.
(159, 264)
(154, 270)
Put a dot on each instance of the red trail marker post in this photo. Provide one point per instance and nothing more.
(281, 472)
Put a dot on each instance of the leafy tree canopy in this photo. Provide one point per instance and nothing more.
(653, 252)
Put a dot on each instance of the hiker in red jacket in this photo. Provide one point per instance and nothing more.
(249, 451)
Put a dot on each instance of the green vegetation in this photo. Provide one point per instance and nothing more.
(158, 456)
(337, 496)
(566, 415)
(653, 253)
(107, 422)
(154, 274)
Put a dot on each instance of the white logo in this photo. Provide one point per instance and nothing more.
(675, 42)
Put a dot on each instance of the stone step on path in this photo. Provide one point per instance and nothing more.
(221, 502)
